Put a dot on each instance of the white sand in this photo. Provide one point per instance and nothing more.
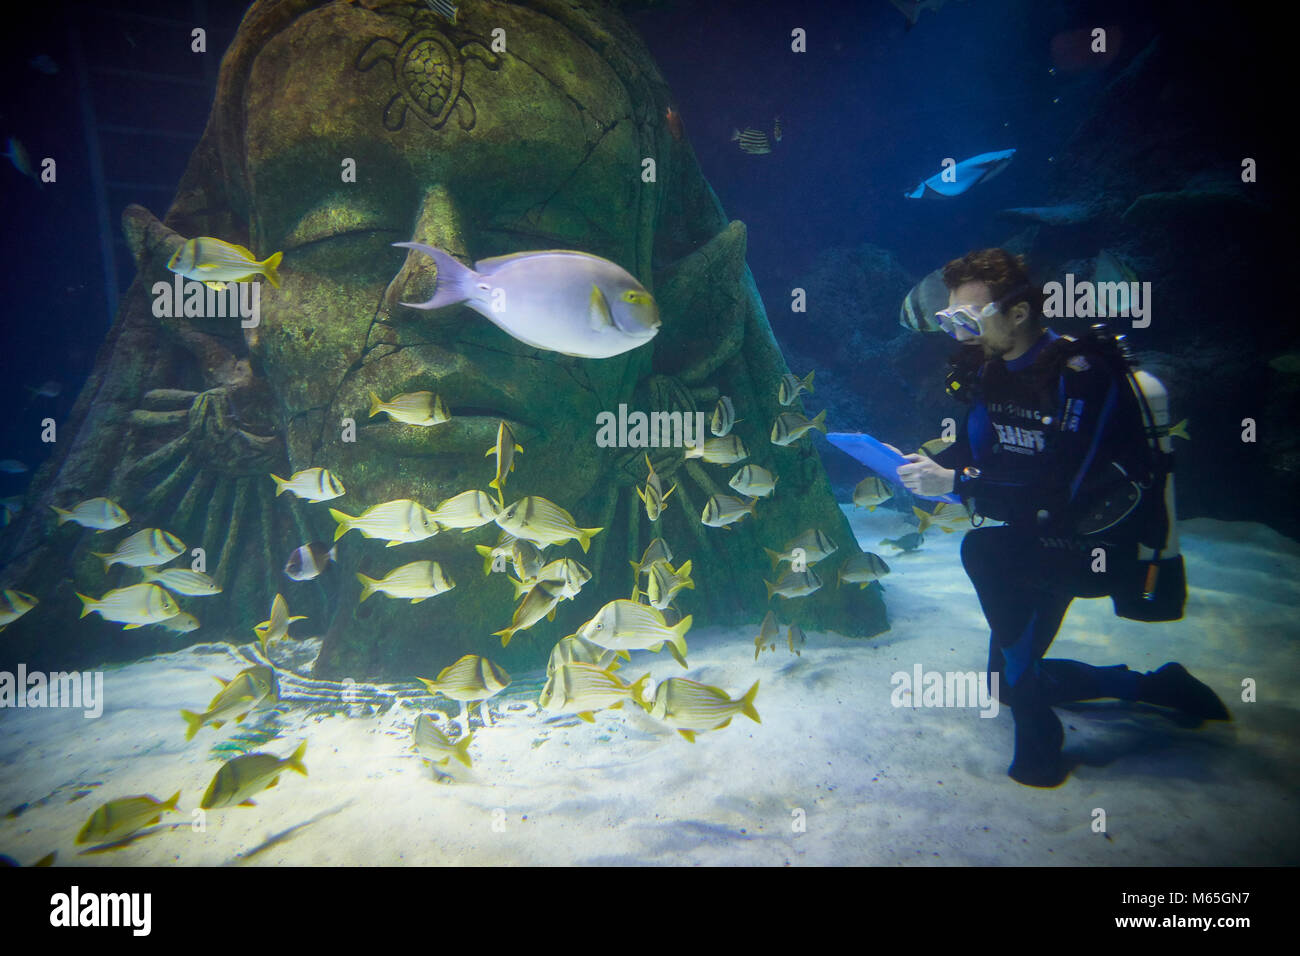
(876, 784)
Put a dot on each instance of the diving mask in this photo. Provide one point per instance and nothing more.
(966, 318)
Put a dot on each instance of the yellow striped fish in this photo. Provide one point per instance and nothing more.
(214, 262)
(543, 522)
(397, 522)
(577, 650)
(237, 697)
(469, 679)
(136, 606)
(722, 510)
(720, 451)
(311, 484)
(623, 625)
(789, 427)
(435, 746)
(811, 546)
(412, 408)
(118, 819)
(466, 511)
(794, 584)
(14, 605)
(540, 602)
(584, 688)
(98, 513)
(768, 632)
(791, 386)
(144, 549)
(505, 450)
(276, 626)
(691, 707)
(418, 581)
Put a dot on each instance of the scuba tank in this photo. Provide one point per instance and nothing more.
(1156, 589)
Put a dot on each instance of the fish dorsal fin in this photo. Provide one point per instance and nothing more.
(598, 314)
(243, 250)
(489, 266)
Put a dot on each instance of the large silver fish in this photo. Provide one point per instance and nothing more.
(561, 301)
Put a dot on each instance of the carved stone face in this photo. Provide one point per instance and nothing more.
(458, 147)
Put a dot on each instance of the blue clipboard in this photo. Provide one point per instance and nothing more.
(880, 459)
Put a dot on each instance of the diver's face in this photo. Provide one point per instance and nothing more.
(511, 167)
(997, 337)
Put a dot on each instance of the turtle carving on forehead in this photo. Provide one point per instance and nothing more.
(429, 70)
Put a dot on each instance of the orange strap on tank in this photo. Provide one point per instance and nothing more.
(1149, 589)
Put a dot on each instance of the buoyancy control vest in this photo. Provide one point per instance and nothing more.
(1135, 487)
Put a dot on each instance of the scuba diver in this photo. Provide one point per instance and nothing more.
(1061, 443)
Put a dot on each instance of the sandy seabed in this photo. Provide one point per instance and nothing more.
(834, 774)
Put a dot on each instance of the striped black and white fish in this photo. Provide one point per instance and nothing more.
(751, 140)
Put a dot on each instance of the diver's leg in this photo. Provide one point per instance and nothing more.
(1023, 618)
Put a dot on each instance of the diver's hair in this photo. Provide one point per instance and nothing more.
(1006, 275)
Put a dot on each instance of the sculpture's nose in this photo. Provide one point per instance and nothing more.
(437, 223)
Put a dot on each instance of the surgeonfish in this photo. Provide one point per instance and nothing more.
(116, 820)
(577, 650)
(396, 522)
(862, 568)
(417, 581)
(540, 602)
(583, 688)
(794, 584)
(724, 417)
(753, 481)
(144, 549)
(792, 387)
(100, 514)
(237, 698)
(505, 448)
(872, 492)
(719, 451)
(183, 581)
(789, 427)
(215, 262)
(435, 746)
(466, 511)
(469, 679)
(623, 625)
(768, 634)
(423, 409)
(276, 626)
(543, 522)
(691, 707)
(811, 546)
(136, 606)
(14, 605)
(722, 510)
(964, 175)
(560, 301)
(311, 484)
(796, 639)
(752, 141)
(239, 779)
(309, 560)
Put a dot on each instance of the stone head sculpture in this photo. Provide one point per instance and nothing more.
(338, 130)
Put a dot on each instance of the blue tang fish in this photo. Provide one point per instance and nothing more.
(968, 172)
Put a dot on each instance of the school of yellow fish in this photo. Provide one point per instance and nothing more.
(582, 671)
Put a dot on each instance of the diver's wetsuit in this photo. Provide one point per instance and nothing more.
(1042, 441)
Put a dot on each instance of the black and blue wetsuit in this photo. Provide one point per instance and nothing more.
(1042, 433)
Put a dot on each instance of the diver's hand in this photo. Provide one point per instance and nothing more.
(925, 476)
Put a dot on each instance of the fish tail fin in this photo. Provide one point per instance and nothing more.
(88, 604)
(484, 550)
(280, 484)
(808, 381)
(454, 278)
(776, 558)
(505, 634)
(747, 704)
(819, 421)
(295, 759)
(64, 516)
(679, 633)
(461, 750)
(770, 589)
(376, 406)
(585, 535)
(269, 267)
(688, 734)
(367, 587)
(638, 687)
(345, 523)
(193, 722)
(171, 802)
